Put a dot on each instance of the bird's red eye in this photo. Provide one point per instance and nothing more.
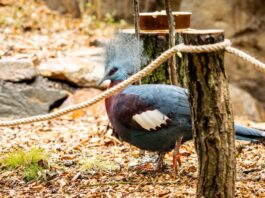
(113, 71)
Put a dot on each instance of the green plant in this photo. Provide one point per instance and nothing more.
(31, 162)
(97, 164)
(109, 18)
(32, 171)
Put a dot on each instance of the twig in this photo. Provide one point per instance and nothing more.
(114, 139)
(172, 40)
(134, 183)
(83, 142)
(251, 170)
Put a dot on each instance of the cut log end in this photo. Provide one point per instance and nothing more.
(202, 37)
(155, 32)
(204, 31)
(163, 13)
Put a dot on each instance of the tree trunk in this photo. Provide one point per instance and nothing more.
(212, 119)
(155, 43)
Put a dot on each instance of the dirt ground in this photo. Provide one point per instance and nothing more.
(72, 140)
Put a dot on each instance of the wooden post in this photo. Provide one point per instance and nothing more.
(212, 119)
(171, 42)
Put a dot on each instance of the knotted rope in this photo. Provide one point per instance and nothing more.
(225, 45)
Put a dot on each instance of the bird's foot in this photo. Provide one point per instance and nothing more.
(177, 160)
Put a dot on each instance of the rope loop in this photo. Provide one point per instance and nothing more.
(225, 45)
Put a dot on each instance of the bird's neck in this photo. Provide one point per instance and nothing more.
(109, 100)
(113, 83)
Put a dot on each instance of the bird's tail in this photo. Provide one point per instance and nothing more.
(249, 134)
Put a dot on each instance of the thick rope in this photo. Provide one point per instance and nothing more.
(148, 69)
(256, 63)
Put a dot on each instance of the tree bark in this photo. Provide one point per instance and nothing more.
(155, 44)
(212, 119)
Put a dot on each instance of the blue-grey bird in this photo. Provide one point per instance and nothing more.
(151, 117)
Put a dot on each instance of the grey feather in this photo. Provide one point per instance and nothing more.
(125, 51)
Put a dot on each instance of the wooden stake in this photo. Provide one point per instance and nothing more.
(137, 26)
(212, 119)
(172, 34)
(136, 18)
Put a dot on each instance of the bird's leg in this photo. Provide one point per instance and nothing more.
(114, 133)
(108, 127)
(177, 154)
(160, 161)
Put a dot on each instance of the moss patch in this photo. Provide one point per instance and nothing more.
(32, 162)
(97, 164)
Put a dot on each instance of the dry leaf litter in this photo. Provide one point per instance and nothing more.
(85, 160)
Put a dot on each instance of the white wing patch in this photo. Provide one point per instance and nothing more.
(150, 119)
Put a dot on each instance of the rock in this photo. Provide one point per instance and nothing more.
(260, 126)
(68, 163)
(46, 83)
(83, 69)
(15, 104)
(64, 6)
(82, 95)
(41, 82)
(243, 23)
(246, 106)
(47, 98)
(17, 70)
(21, 100)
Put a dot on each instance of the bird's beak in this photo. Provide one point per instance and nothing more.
(102, 80)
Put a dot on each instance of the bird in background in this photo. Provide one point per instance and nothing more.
(152, 117)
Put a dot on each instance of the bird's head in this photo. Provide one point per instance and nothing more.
(114, 74)
(123, 57)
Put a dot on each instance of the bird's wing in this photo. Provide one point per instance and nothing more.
(151, 120)
(151, 108)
